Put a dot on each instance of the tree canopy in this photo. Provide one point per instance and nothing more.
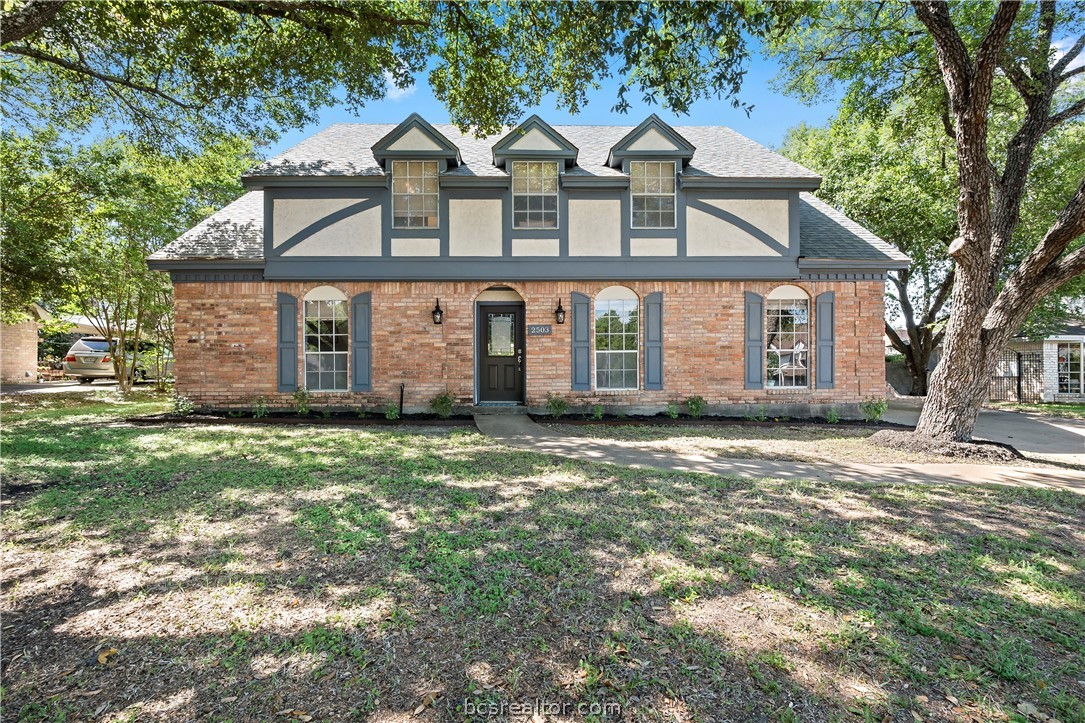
(176, 69)
(960, 63)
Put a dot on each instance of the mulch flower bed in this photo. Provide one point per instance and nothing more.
(662, 420)
(338, 419)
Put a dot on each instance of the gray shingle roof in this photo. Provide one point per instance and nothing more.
(236, 233)
(344, 149)
(825, 233)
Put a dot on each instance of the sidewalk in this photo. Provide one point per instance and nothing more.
(519, 431)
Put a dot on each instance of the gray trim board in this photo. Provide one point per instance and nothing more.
(258, 182)
(450, 151)
(753, 182)
(205, 264)
(527, 268)
(503, 150)
(850, 264)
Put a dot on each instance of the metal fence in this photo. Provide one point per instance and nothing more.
(1018, 377)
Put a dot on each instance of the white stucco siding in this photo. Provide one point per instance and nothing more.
(474, 227)
(653, 247)
(652, 140)
(535, 247)
(535, 140)
(595, 227)
(416, 247)
(737, 227)
(326, 226)
(415, 140)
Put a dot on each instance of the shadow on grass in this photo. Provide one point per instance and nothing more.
(243, 572)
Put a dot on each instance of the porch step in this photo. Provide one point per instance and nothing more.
(499, 410)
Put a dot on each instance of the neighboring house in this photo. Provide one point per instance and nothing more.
(1050, 368)
(19, 347)
(615, 265)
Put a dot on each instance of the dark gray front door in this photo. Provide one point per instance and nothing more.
(501, 352)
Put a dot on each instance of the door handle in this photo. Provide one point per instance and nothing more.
(519, 359)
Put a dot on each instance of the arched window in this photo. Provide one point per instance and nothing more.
(787, 337)
(326, 340)
(617, 338)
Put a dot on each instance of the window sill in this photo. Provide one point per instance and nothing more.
(617, 392)
(786, 390)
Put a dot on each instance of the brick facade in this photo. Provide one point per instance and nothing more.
(19, 352)
(225, 346)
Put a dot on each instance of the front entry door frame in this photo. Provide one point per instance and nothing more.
(480, 340)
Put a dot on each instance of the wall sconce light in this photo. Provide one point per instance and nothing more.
(438, 314)
(559, 313)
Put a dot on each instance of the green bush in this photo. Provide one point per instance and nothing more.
(182, 406)
(259, 408)
(874, 408)
(894, 358)
(597, 412)
(303, 401)
(761, 415)
(832, 415)
(672, 410)
(442, 404)
(695, 406)
(556, 406)
(391, 411)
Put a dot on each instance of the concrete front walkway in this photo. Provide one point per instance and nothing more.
(519, 431)
(1054, 438)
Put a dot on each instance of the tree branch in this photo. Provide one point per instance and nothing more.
(31, 17)
(83, 69)
(1068, 57)
(1064, 115)
(940, 298)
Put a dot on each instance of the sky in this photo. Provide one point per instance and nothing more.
(768, 122)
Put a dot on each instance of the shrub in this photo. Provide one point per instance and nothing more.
(303, 401)
(391, 411)
(442, 404)
(894, 358)
(874, 408)
(597, 412)
(672, 410)
(556, 406)
(326, 412)
(761, 416)
(832, 415)
(695, 406)
(182, 405)
(259, 408)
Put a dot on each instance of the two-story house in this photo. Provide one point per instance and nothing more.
(616, 265)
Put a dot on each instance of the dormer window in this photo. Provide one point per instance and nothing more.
(652, 187)
(534, 194)
(414, 194)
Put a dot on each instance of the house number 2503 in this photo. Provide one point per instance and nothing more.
(539, 329)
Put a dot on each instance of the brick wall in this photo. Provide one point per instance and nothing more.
(226, 345)
(19, 352)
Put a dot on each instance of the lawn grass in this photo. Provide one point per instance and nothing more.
(258, 573)
(782, 441)
(1052, 409)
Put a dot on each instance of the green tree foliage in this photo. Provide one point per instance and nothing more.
(898, 177)
(989, 74)
(174, 68)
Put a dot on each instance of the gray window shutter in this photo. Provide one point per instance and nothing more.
(288, 343)
(361, 343)
(653, 340)
(826, 340)
(581, 342)
(755, 341)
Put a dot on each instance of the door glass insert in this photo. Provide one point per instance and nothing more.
(500, 338)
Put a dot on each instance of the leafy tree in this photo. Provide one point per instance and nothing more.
(953, 61)
(897, 177)
(175, 68)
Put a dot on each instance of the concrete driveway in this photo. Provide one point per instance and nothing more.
(1053, 438)
(68, 385)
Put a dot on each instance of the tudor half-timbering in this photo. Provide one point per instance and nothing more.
(615, 265)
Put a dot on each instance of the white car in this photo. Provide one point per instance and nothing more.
(89, 359)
